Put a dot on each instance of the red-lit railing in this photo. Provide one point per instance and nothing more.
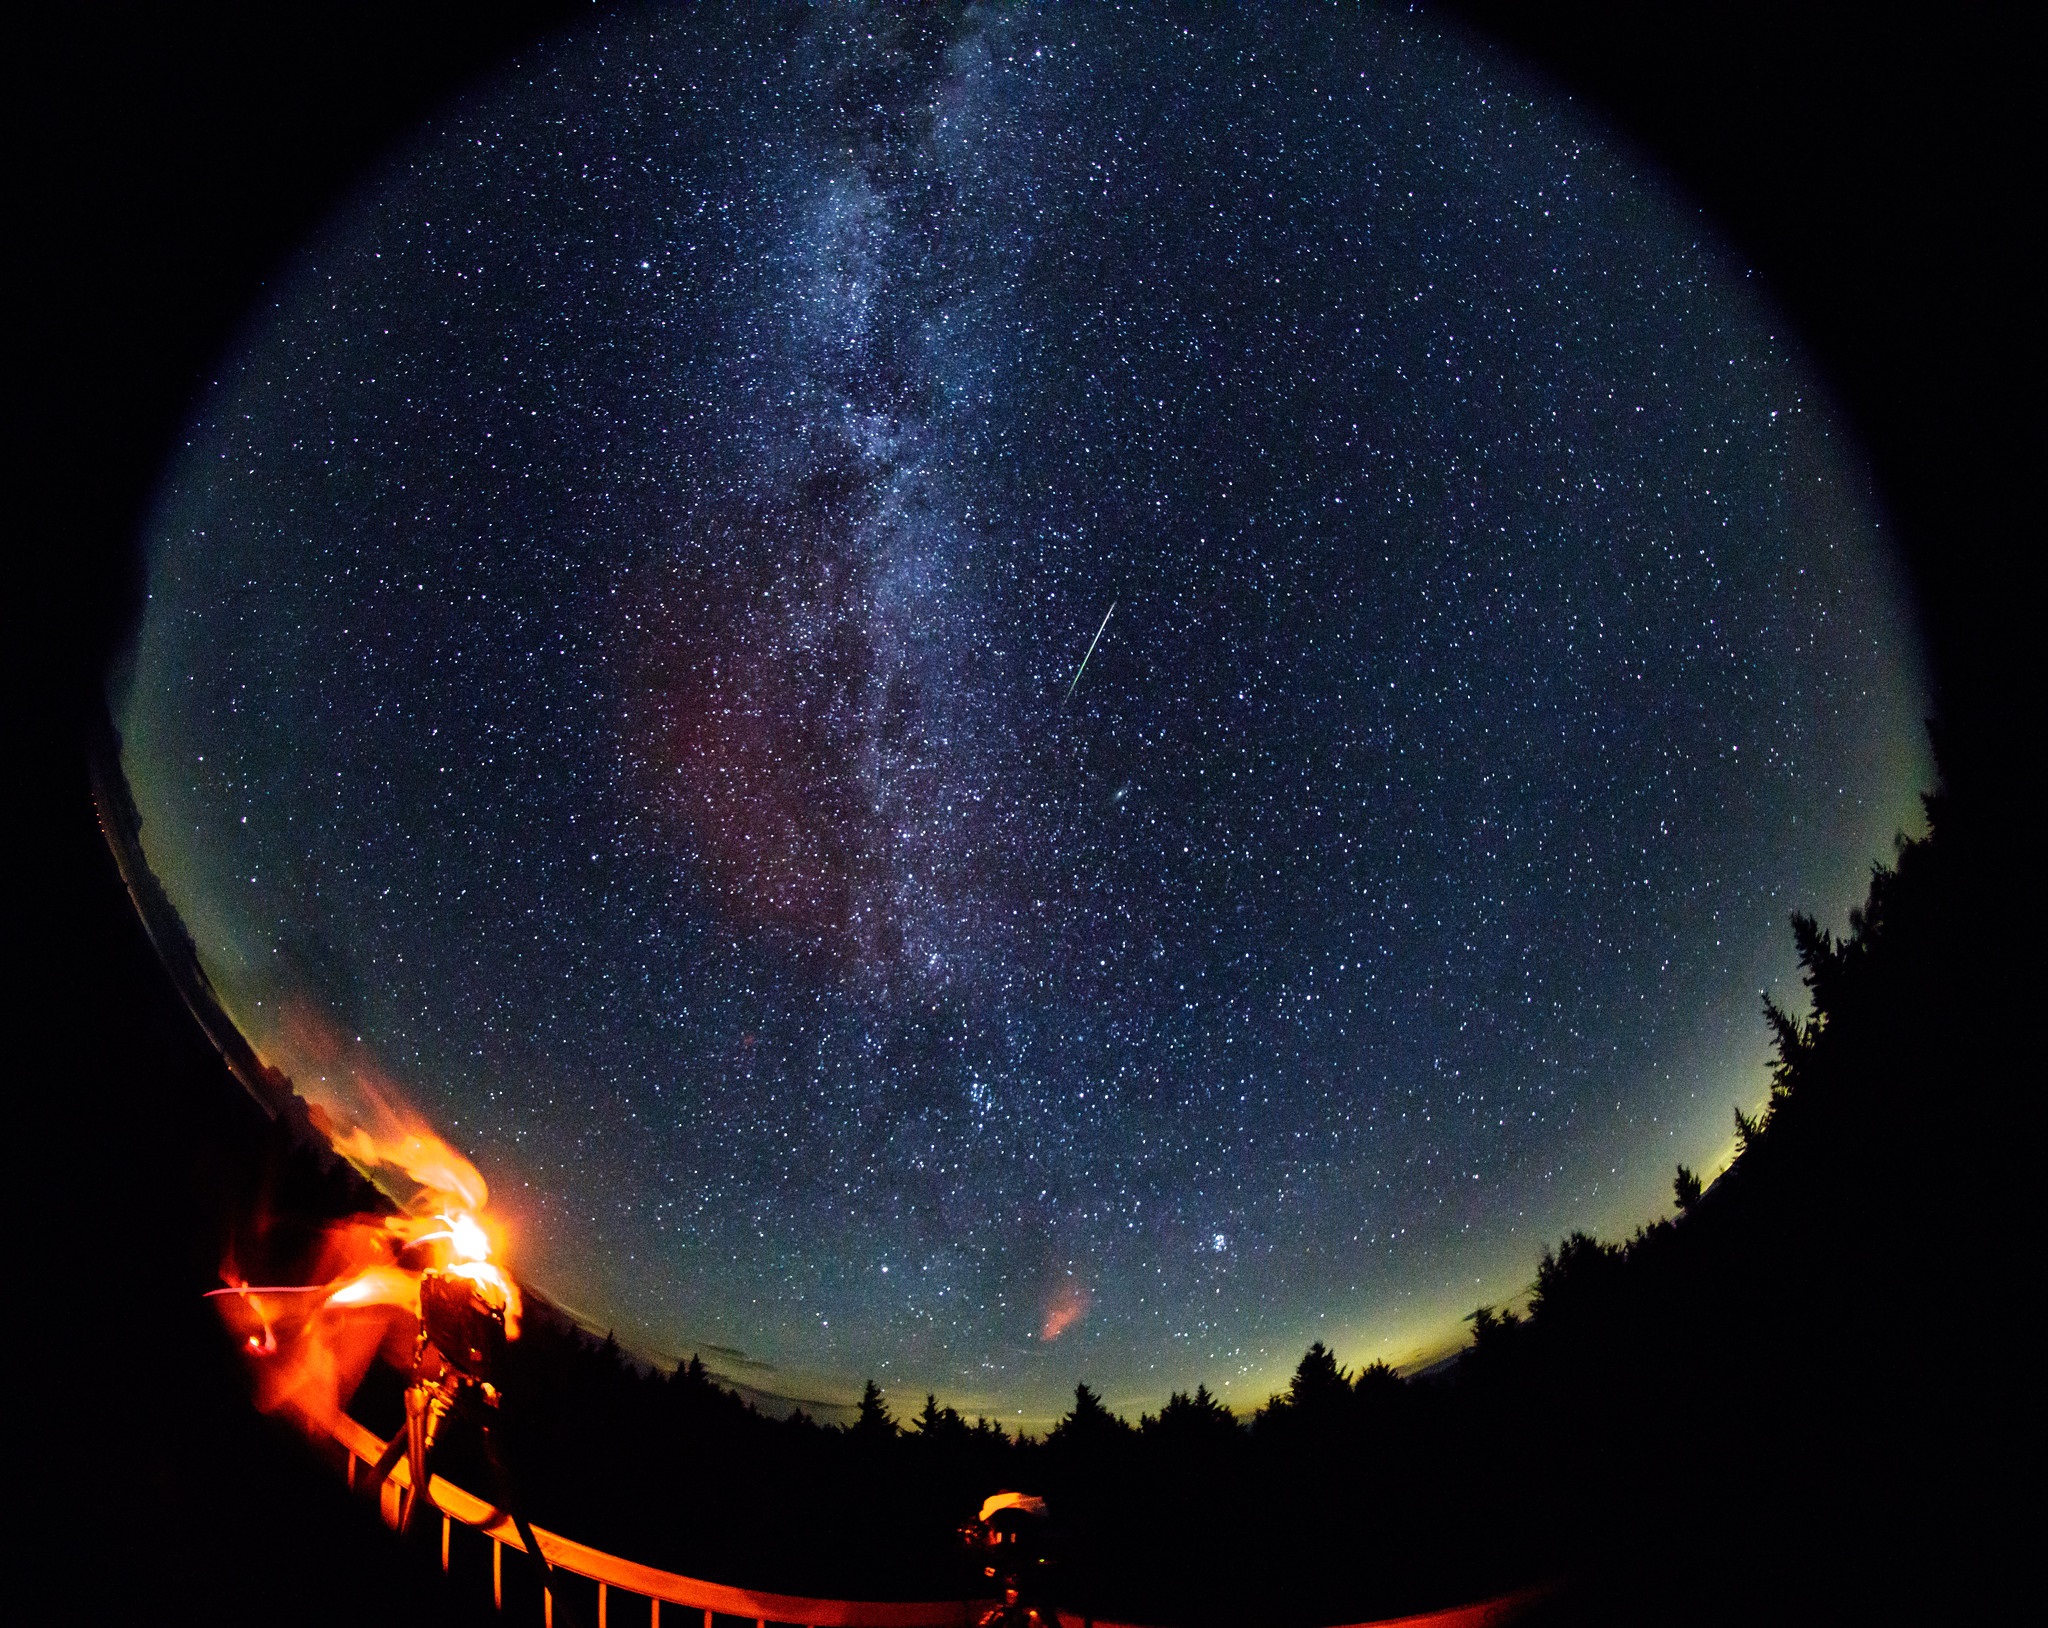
(680, 1601)
(669, 1594)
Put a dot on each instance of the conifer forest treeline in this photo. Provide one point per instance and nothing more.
(1754, 1405)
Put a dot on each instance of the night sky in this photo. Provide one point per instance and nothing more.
(611, 666)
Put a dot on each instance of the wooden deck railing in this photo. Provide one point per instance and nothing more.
(662, 1589)
(670, 1594)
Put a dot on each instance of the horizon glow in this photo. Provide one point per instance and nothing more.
(629, 665)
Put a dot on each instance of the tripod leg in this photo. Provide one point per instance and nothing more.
(424, 1411)
(392, 1448)
(510, 1506)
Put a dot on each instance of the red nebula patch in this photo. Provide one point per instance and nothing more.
(1069, 1305)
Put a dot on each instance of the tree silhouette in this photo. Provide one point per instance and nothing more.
(1318, 1382)
(937, 1424)
(1191, 1420)
(1377, 1380)
(1493, 1332)
(873, 1423)
(1578, 1278)
(1088, 1424)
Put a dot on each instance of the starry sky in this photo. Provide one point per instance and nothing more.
(613, 676)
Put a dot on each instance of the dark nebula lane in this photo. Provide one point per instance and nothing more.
(630, 659)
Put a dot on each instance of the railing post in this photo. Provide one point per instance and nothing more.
(396, 1504)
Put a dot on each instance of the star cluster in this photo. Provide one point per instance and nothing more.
(611, 667)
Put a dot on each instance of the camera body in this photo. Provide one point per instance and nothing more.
(464, 1322)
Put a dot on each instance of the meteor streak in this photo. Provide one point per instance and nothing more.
(1092, 643)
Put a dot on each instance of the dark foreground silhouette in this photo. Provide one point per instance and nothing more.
(1758, 1400)
(1751, 1409)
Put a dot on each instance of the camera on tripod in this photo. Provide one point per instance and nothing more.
(462, 1314)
